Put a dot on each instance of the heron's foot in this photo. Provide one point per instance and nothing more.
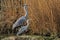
(18, 34)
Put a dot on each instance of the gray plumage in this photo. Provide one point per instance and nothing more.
(22, 19)
(23, 28)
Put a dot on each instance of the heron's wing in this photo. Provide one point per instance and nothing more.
(22, 29)
(20, 22)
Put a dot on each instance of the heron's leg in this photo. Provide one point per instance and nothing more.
(19, 32)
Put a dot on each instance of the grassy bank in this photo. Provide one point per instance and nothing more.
(28, 37)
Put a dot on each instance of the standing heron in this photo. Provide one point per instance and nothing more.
(22, 19)
(23, 28)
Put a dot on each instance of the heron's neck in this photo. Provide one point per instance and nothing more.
(26, 10)
(27, 23)
(26, 14)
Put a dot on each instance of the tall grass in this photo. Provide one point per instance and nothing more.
(45, 15)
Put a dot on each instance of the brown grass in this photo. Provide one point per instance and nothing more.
(45, 15)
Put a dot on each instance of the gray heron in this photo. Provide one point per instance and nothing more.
(23, 28)
(22, 19)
